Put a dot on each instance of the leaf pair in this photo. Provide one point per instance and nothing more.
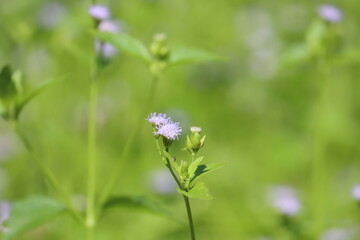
(28, 214)
(194, 172)
(132, 46)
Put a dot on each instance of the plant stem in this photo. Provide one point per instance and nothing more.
(191, 224)
(319, 150)
(91, 181)
(90, 212)
(130, 141)
(48, 174)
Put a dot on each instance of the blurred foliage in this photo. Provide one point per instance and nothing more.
(259, 110)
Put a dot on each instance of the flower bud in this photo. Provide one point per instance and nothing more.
(195, 141)
(183, 174)
(158, 48)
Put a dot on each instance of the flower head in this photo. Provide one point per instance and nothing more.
(99, 12)
(330, 13)
(170, 130)
(285, 200)
(158, 119)
(195, 129)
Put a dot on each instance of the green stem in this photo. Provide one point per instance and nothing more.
(48, 174)
(168, 165)
(191, 223)
(90, 212)
(319, 151)
(91, 181)
(130, 141)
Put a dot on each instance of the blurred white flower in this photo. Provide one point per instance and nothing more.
(356, 192)
(51, 14)
(338, 234)
(162, 182)
(8, 147)
(285, 200)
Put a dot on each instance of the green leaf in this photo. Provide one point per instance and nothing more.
(31, 213)
(181, 54)
(27, 98)
(126, 43)
(315, 36)
(136, 202)
(17, 79)
(199, 190)
(193, 166)
(7, 86)
(204, 169)
(296, 54)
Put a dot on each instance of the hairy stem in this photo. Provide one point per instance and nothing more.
(191, 223)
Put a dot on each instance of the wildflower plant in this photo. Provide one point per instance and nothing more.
(107, 41)
(186, 173)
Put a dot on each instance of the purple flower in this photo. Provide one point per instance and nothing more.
(106, 50)
(99, 12)
(109, 26)
(285, 200)
(356, 192)
(158, 119)
(170, 130)
(330, 13)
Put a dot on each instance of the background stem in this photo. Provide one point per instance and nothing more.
(90, 217)
(91, 181)
(130, 141)
(48, 174)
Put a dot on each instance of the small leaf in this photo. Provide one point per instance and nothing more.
(168, 155)
(182, 54)
(137, 202)
(27, 98)
(193, 166)
(296, 54)
(31, 213)
(199, 190)
(17, 79)
(204, 169)
(315, 36)
(126, 43)
(7, 86)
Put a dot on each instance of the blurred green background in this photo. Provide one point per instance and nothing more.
(258, 110)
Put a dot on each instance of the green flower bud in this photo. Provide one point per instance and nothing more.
(167, 142)
(195, 141)
(158, 48)
(183, 174)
